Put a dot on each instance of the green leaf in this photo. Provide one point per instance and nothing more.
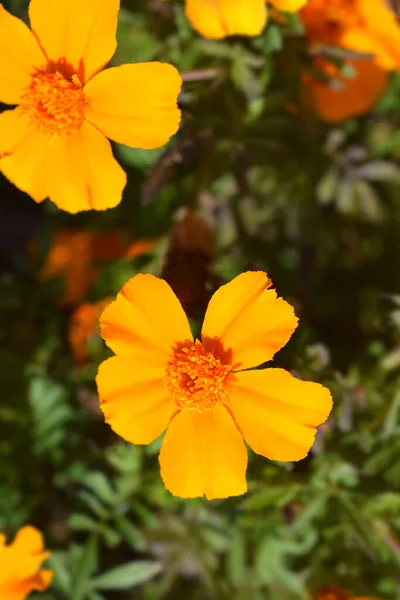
(127, 576)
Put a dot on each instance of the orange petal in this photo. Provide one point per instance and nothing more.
(78, 32)
(146, 320)
(344, 98)
(83, 173)
(277, 413)
(23, 154)
(249, 319)
(215, 19)
(203, 454)
(19, 55)
(135, 105)
(134, 399)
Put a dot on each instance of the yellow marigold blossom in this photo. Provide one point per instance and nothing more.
(54, 144)
(20, 563)
(340, 98)
(216, 19)
(202, 391)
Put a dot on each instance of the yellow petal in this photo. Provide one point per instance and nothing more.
(146, 320)
(134, 399)
(135, 105)
(249, 320)
(383, 44)
(83, 173)
(23, 154)
(277, 413)
(289, 5)
(19, 55)
(215, 19)
(78, 32)
(203, 454)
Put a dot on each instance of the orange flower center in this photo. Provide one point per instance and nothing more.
(54, 102)
(197, 379)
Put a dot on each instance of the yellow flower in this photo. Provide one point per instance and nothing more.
(54, 144)
(203, 392)
(20, 563)
(216, 19)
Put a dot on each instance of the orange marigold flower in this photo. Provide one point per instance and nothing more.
(202, 391)
(216, 19)
(20, 563)
(340, 98)
(365, 26)
(84, 325)
(76, 256)
(54, 144)
(334, 593)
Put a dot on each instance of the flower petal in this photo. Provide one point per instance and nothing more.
(344, 98)
(277, 413)
(19, 55)
(217, 19)
(382, 40)
(23, 153)
(248, 319)
(203, 453)
(289, 5)
(146, 320)
(135, 105)
(134, 399)
(80, 32)
(83, 173)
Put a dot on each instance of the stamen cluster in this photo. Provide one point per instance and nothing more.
(197, 379)
(54, 102)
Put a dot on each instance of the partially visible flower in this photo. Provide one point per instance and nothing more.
(71, 257)
(334, 593)
(84, 324)
(364, 26)
(54, 144)
(216, 19)
(203, 392)
(76, 255)
(338, 97)
(20, 565)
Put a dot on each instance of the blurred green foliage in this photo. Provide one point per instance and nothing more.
(315, 206)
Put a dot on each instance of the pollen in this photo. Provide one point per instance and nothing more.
(54, 102)
(197, 379)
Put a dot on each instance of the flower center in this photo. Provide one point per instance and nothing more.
(54, 102)
(197, 379)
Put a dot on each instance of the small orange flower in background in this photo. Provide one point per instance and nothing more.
(364, 26)
(340, 98)
(84, 324)
(76, 256)
(216, 19)
(203, 392)
(20, 565)
(54, 144)
(333, 593)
